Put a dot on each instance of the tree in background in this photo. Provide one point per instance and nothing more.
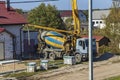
(20, 11)
(112, 29)
(47, 16)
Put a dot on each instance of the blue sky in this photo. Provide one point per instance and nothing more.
(66, 4)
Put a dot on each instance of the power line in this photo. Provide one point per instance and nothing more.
(31, 1)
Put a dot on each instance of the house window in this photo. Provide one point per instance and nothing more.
(96, 22)
(101, 22)
(93, 22)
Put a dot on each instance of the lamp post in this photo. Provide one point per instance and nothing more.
(90, 42)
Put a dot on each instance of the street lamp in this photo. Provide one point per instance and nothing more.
(90, 42)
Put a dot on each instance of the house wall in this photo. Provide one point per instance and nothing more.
(15, 30)
(100, 15)
(7, 39)
(103, 41)
(97, 46)
(98, 23)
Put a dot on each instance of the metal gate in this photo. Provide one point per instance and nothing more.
(1, 50)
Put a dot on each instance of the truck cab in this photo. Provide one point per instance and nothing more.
(82, 47)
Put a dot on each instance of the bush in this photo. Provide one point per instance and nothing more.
(104, 49)
(112, 48)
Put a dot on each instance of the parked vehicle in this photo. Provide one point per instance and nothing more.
(55, 43)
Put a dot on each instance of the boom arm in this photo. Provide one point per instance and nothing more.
(51, 29)
(76, 19)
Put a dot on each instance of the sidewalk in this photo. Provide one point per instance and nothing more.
(11, 66)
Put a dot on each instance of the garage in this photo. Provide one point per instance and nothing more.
(6, 45)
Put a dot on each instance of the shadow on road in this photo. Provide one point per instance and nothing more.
(103, 57)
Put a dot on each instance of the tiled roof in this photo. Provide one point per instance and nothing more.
(98, 38)
(10, 16)
(66, 13)
(99, 14)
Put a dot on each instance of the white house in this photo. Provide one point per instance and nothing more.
(13, 22)
(98, 18)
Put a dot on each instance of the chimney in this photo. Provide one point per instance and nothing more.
(8, 5)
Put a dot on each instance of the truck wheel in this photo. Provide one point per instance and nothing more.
(45, 55)
(52, 56)
(78, 58)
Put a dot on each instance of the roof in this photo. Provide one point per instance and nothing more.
(10, 16)
(99, 14)
(67, 13)
(98, 38)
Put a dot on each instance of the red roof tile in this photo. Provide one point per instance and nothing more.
(98, 38)
(66, 13)
(11, 16)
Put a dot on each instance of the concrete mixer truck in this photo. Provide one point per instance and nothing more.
(55, 43)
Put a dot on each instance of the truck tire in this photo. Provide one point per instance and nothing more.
(52, 56)
(45, 55)
(78, 58)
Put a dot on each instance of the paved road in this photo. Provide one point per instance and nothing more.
(103, 68)
(100, 73)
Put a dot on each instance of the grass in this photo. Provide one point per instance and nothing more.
(114, 78)
(52, 65)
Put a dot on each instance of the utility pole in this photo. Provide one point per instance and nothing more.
(90, 42)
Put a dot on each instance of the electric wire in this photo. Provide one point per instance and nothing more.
(31, 1)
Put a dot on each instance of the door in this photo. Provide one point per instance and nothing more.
(29, 49)
(1, 51)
